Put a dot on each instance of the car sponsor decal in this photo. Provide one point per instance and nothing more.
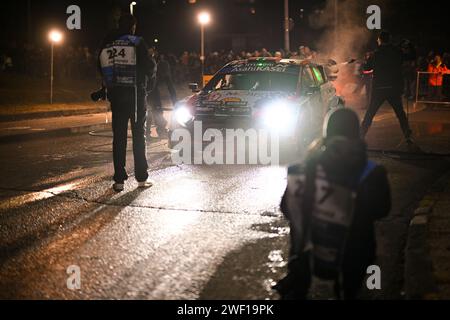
(234, 101)
(239, 98)
(219, 99)
(260, 67)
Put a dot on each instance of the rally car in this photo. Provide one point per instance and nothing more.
(289, 96)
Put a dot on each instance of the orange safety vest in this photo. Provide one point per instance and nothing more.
(436, 74)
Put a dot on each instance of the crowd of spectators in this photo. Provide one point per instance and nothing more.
(79, 63)
(76, 63)
(187, 66)
(432, 77)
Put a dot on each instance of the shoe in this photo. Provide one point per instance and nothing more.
(118, 187)
(412, 146)
(145, 184)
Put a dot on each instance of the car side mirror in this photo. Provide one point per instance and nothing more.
(193, 87)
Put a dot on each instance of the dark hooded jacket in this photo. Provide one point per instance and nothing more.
(386, 63)
(342, 155)
(344, 161)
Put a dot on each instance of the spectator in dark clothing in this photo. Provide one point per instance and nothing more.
(127, 86)
(409, 67)
(343, 157)
(387, 84)
(164, 76)
(173, 62)
(157, 114)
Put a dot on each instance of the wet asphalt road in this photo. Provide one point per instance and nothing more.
(208, 232)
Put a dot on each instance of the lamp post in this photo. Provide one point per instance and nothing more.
(131, 7)
(336, 23)
(203, 18)
(287, 46)
(55, 37)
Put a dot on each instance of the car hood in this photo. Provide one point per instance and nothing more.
(238, 98)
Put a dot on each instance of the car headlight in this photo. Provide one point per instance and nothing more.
(279, 115)
(183, 115)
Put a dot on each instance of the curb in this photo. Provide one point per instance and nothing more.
(50, 114)
(53, 133)
(60, 113)
(418, 274)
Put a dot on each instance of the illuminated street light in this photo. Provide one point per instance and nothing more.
(203, 18)
(55, 37)
(131, 6)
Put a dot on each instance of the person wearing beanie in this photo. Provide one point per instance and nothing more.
(340, 158)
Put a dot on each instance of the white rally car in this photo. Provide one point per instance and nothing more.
(286, 95)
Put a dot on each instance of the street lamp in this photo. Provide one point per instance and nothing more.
(287, 45)
(203, 18)
(336, 22)
(55, 37)
(131, 6)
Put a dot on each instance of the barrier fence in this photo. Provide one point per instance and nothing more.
(433, 88)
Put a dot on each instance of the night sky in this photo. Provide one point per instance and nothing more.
(173, 22)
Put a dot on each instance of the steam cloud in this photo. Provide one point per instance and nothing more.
(352, 33)
(351, 39)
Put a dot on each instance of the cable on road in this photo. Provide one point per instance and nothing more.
(393, 154)
(409, 155)
(108, 134)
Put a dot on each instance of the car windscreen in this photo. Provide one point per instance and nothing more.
(254, 81)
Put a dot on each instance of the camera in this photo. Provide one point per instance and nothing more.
(99, 95)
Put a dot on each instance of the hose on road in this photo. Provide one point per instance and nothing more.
(393, 154)
(105, 134)
(409, 155)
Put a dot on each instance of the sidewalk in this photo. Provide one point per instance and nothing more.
(439, 239)
(427, 256)
(11, 113)
(23, 98)
(53, 126)
(13, 131)
(26, 121)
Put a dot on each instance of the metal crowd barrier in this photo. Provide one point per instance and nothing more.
(426, 93)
